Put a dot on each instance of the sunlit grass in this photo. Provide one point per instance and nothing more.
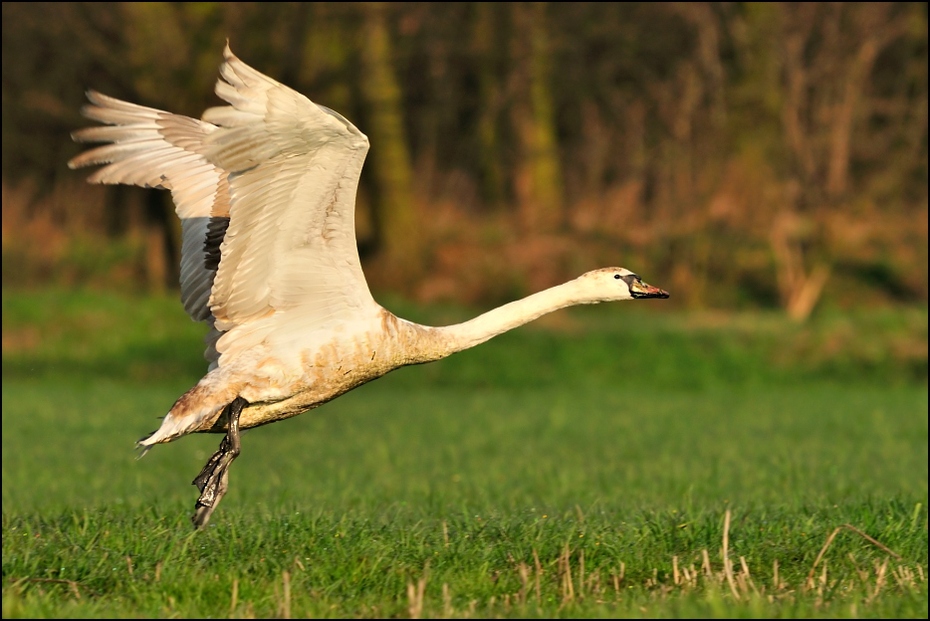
(579, 469)
(90, 334)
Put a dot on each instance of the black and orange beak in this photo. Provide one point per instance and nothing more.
(640, 290)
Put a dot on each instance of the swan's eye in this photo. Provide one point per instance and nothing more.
(616, 276)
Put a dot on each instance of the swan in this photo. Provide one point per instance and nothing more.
(265, 189)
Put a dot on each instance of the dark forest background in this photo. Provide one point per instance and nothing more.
(740, 155)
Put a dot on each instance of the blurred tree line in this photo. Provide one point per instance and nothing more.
(737, 154)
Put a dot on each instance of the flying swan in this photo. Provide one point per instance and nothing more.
(265, 189)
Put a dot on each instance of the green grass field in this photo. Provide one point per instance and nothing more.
(596, 465)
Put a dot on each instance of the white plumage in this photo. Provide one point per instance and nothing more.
(265, 190)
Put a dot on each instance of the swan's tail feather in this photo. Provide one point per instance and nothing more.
(196, 410)
(142, 448)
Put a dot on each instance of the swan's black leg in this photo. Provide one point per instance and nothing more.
(213, 480)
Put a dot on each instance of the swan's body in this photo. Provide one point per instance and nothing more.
(265, 189)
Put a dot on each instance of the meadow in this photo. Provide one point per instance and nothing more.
(622, 460)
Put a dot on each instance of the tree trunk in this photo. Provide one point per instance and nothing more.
(538, 175)
(492, 181)
(399, 228)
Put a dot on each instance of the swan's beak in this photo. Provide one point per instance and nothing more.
(640, 290)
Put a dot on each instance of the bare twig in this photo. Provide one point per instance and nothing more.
(810, 576)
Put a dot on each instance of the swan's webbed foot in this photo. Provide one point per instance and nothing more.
(213, 480)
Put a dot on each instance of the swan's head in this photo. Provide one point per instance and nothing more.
(616, 283)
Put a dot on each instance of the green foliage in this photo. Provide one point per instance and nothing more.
(82, 260)
(91, 334)
(613, 468)
(86, 334)
(732, 151)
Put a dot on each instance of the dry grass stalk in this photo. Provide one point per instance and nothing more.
(905, 577)
(72, 585)
(863, 574)
(565, 573)
(593, 584)
(538, 577)
(741, 583)
(447, 609)
(880, 571)
(810, 576)
(524, 570)
(654, 581)
(822, 581)
(580, 514)
(286, 587)
(690, 576)
(415, 595)
(581, 573)
(234, 599)
(618, 578)
(745, 567)
(873, 541)
(727, 566)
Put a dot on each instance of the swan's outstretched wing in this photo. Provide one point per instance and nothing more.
(293, 174)
(156, 149)
(266, 191)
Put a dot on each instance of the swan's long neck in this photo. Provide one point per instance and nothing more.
(457, 337)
